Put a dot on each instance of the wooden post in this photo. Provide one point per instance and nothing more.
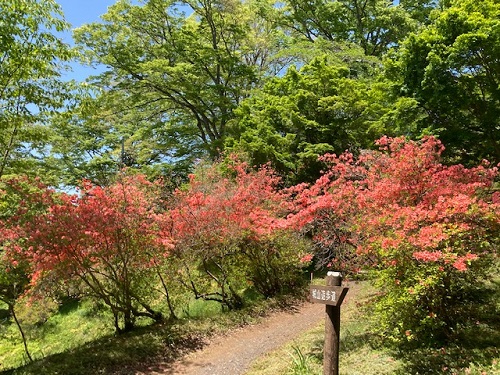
(332, 295)
(332, 330)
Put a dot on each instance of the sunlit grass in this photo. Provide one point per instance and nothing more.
(80, 339)
(75, 324)
(361, 352)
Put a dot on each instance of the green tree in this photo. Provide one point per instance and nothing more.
(375, 25)
(326, 106)
(31, 61)
(421, 10)
(91, 142)
(177, 70)
(450, 68)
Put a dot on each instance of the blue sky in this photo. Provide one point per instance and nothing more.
(77, 13)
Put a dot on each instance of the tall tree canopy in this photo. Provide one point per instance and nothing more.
(177, 70)
(187, 79)
(31, 61)
(179, 73)
(375, 25)
(328, 105)
(452, 69)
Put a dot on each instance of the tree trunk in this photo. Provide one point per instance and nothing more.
(167, 294)
(25, 342)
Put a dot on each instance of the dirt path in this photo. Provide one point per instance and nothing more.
(233, 354)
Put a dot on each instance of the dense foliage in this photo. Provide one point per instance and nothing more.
(326, 106)
(186, 86)
(229, 231)
(428, 231)
(125, 245)
(283, 82)
(31, 61)
(451, 69)
(101, 243)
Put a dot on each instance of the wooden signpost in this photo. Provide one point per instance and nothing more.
(332, 296)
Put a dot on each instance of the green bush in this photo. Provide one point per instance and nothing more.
(273, 264)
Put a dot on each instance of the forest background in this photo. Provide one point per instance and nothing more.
(233, 146)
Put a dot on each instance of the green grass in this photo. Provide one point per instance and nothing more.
(74, 325)
(80, 340)
(358, 356)
(200, 309)
(476, 352)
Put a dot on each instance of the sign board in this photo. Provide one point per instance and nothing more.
(327, 295)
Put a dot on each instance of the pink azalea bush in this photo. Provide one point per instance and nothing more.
(427, 230)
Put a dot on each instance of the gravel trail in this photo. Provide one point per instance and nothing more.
(233, 353)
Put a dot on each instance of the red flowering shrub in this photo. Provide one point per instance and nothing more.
(428, 230)
(104, 239)
(228, 232)
(21, 200)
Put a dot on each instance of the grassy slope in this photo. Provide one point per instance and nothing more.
(74, 325)
(80, 340)
(361, 353)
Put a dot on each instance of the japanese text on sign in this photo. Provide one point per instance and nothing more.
(328, 295)
(324, 295)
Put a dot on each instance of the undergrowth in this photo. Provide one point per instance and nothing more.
(79, 340)
(475, 350)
